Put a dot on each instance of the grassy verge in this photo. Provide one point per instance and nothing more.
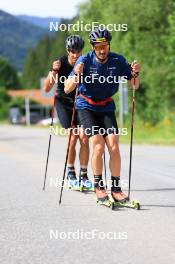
(161, 134)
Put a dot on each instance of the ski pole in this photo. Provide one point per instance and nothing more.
(131, 139)
(104, 159)
(50, 137)
(68, 146)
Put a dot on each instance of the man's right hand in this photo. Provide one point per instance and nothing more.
(78, 69)
(56, 65)
(71, 83)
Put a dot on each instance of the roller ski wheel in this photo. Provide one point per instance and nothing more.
(81, 188)
(102, 198)
(133, 204)
(107, 202)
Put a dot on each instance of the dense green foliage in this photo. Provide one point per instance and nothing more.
(8, 80)
(8, 75)
(4, 100)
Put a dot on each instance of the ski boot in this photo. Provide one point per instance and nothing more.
(102, 197)
(84, 182)
(73, 183)
(121, 199)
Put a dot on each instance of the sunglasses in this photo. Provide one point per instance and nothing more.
(101, 47)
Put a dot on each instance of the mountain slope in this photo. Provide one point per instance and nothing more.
(42, 22)
(16, 37)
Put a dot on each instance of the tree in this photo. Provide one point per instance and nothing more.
(169, 60)
(4, 100)
(8, 75)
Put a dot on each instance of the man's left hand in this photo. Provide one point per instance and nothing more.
(135, 66)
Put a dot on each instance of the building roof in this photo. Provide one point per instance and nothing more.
(35, 95)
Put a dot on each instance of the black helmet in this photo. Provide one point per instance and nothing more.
(99, 35)
(74, 43)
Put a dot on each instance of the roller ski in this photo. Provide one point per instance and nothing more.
(133, 204)
(84, 182)
(102, 197)
(121, 200)
(81, 184)
(72, 181)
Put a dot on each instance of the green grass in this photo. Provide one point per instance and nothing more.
(161, 134)
(4, 122)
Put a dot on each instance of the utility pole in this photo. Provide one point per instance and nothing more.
(27, 110)
(123, 95)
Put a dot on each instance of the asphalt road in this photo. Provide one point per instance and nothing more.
(35, 229)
